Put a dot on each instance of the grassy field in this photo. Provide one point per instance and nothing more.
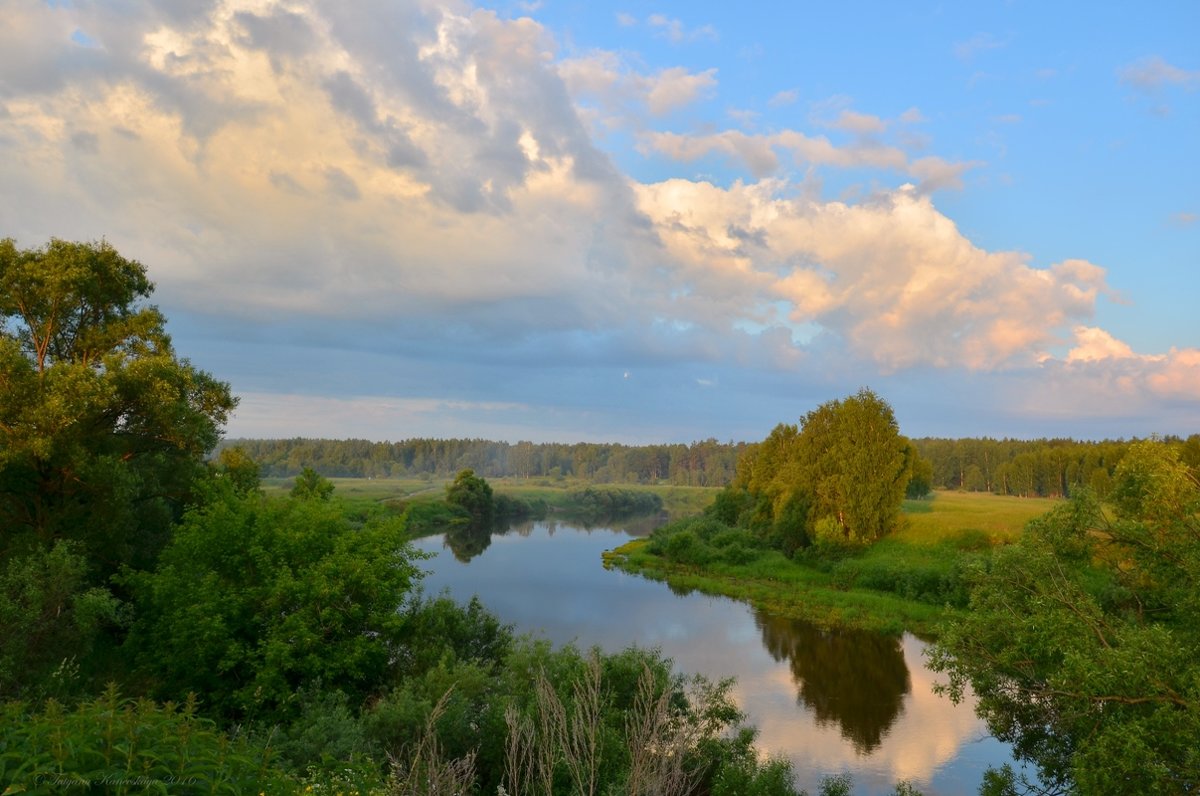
(907, 581)
(949, 514)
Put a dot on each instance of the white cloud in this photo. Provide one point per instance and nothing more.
(1178, 374)
(676, 32)
(860, 123)
(1152, 73)
(784, 98)
(760, 154)
(1093, 344)
(676, 87)
(602, 75)
(979, 43)
(892, 277)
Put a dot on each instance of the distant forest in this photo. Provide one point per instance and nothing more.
(1027, 468)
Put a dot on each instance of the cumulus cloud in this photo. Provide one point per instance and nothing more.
(423, 172)
(1178, 374)
(1093, 344)
(892, 277)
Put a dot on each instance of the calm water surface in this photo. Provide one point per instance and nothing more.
(830, 701)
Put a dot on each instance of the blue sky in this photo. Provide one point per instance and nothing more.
(635, 222)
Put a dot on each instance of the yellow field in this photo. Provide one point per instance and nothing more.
(949, 514)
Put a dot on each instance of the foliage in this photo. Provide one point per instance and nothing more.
(49, 619)
(1083, 641)
(838, 478)
(123, 746)
(311, 486)
(242, 471)
(256, 598)
(557, 721)
(102, 427)
(473, 496)
(592, 504)
(909, 580)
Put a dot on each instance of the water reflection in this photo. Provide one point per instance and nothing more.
(830, 702)
(468, 540)
(851, 678)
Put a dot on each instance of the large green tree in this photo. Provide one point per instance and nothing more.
(103, 428)
(1082, 642)
(840, 475)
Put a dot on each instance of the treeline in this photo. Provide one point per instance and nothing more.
(1034, 468)
(706, 463)
(1027, 468)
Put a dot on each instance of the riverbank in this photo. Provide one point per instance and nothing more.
(910, 581)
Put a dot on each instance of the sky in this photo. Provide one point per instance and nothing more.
(634, 222)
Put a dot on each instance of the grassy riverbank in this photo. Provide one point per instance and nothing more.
(911, 580)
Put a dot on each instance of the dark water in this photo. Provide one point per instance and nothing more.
(830, 701)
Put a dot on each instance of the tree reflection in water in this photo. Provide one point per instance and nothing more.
(468, 540)
(853, 677)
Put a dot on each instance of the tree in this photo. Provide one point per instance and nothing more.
(473, 495)
(1082, 643)
(311, 486)
(103, 429)
(862, 465)
(841, 475)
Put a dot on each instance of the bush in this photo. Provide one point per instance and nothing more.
(684, 547)
(48, 617)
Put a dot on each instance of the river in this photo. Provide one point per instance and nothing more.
(831, 701)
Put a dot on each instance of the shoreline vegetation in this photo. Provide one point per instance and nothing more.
(908, 581)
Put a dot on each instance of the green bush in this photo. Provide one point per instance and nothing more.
(48, 616)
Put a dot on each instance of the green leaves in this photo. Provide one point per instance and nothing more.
(102, 427)
(839, 477)
(1082, 642)
(255, 598)
(48, 615)
(473, 495)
